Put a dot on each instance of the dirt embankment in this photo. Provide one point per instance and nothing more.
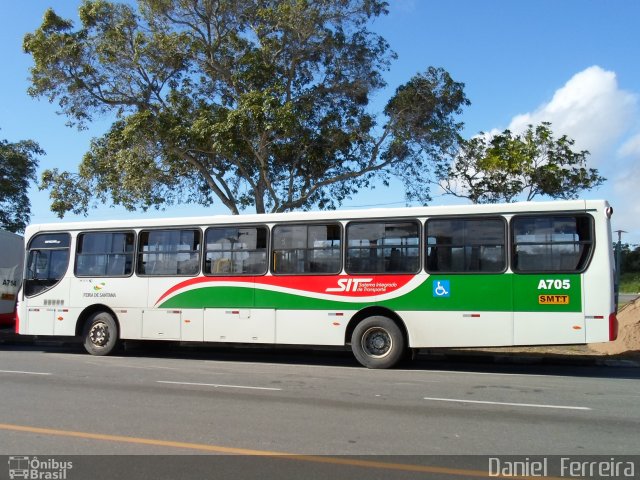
(628, 332)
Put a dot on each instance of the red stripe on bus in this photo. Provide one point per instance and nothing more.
(338, 285)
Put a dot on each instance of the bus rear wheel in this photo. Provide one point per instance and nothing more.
(100, 334)
(377, 342)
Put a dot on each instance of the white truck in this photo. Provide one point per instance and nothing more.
(11, 263)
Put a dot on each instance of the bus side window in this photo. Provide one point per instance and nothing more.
(236, 250)
(551, 243)
(383, 247)
(104, 254)
(47, 261)
(466, 245)
(313, 248)
(169, 252)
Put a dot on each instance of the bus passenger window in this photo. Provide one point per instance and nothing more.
(383, 247)
(236, 251)
(466, 245)
(307, 249)
(551, 243)
(169, 252)
(104, 254)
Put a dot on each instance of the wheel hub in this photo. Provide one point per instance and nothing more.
(377, 342)
(99, 334)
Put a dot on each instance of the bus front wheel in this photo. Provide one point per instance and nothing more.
(377, 342)
(100, 334)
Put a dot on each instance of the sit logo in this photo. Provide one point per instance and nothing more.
(349, 284)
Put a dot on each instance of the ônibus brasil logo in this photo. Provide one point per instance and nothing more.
(38, 469)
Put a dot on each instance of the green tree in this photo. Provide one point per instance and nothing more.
(630, 258)
(256, 103)
(505, 167)
(18, 164)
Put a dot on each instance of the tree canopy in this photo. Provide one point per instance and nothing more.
(258, 103)
(630, 258)
(18, 164)
(506, 167)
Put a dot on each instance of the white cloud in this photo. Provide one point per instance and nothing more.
(631, 148)
(623, 196)
(624, 190)
(593, 110)
(590, 108)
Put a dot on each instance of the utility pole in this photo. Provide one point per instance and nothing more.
(618, 256)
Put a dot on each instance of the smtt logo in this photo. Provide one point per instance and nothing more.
(33, 468)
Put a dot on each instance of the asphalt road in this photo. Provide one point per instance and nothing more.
(58, 401)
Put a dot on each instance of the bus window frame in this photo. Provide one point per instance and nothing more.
(506, 245)
(28, 251)
(512, 243)
(164, 229)
(232, 274)
(134, 253)
(272, 249)
(385, 221)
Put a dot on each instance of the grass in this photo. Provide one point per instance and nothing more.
(630, 282)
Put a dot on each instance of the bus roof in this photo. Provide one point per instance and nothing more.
(306, 216)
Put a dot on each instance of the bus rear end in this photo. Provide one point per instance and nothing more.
(599, 300)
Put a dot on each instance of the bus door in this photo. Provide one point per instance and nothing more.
(549, 252)
(235, 256)
(45, 288)
(468, 286)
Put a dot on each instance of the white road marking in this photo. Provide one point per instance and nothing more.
(24, 373)
(218, 385)
(347, 368)
(484, 402)
(499, 374)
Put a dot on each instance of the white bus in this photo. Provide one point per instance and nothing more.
(383, 281)
(11, 258)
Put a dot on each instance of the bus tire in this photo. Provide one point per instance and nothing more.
(377, 342)
(100, 334)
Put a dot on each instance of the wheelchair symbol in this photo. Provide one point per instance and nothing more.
(441, 288)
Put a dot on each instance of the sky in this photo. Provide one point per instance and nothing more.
(574, 63)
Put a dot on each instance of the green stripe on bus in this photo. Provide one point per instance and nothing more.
(528, 289)
(498, 293)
